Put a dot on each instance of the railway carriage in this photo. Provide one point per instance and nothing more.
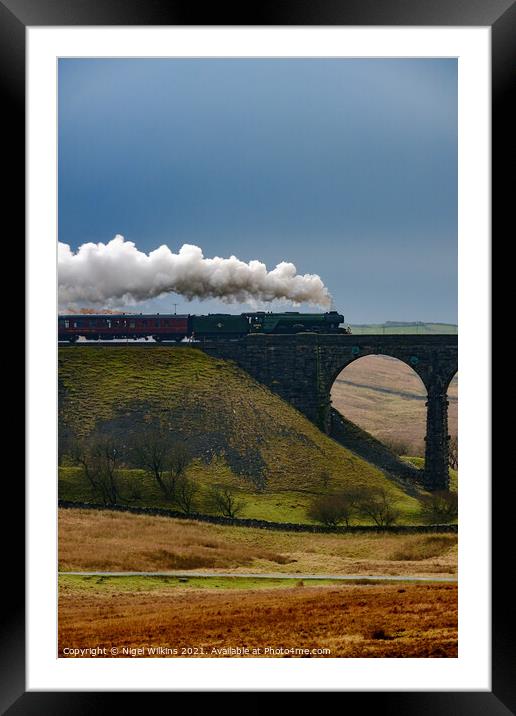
(108, 327)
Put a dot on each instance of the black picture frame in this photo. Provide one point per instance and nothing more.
(15, 17)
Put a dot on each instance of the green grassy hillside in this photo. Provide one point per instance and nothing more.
(239, 433)
(419, 462)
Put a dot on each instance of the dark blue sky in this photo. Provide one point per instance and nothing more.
(347, 168)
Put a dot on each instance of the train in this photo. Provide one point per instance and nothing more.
(177, 327)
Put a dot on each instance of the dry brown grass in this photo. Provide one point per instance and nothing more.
(388, 416)
(351, 620)
(92, 540)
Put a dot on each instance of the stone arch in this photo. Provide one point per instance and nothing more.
(301, 369)
(449, 376)
(391, 429)
(341, 360)
(434, 361)
(340, 367)
(452, 395)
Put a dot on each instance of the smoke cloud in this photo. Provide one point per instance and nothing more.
(117, 273)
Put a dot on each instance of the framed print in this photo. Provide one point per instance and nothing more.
(258, 256)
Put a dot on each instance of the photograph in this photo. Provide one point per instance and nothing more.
(258, 261)
(257, 357)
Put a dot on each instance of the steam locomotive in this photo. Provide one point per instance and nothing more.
(214, 326)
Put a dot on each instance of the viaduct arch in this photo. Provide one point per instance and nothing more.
(302, 368)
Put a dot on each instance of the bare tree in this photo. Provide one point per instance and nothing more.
(162, 458)
(151, 454)
(64, 450)
(376, 503)
(69, 445)
(440, 507)
(185, 492)
(453, 452)
(100, 459)
(180, 458)
(225, 501)
(330, 510)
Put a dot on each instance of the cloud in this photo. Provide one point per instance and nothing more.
(117, 273)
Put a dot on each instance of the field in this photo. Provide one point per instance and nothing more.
(387, 398)
(91, 540)
(393, 327)
(341, 620)
(275, 460)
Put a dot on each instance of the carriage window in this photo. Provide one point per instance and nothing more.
(108, 321)
(67, 324)
(132, 324)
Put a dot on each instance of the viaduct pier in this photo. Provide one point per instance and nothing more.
(302, 368)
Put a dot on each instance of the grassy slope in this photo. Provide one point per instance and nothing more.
(240, 433)
(425, 328)
(420, 463)
(359, 441)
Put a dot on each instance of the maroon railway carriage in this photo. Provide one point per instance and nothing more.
(107, 327)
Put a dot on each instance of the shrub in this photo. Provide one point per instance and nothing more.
(376, 503)
(380, 634)
(100, 459)
(330, 510)
(440, 507)
(453, 453)
(185, 491)
(226, 502)
(398, 446)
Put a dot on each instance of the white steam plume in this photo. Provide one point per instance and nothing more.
(117, 273)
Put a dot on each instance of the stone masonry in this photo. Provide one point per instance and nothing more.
(302, 368)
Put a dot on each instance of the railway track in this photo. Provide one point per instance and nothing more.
(136, 344)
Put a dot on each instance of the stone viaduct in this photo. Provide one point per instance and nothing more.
(301, 369)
